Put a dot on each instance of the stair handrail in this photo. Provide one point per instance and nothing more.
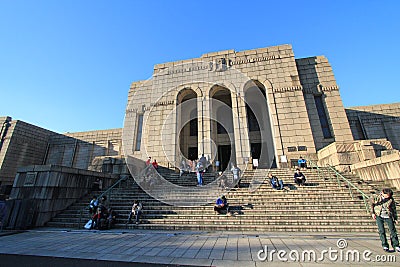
(107, 191)
(340, 177)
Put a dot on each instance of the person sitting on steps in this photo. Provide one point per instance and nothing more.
(222, 206)
(94, 203)
(111, 218)
(99, 219)
(136, 210)
(302, 163)
(299, 177)
(275, 182)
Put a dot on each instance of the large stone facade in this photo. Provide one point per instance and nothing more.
(295, 108)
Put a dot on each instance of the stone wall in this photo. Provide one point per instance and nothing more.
(78, 150)
(342, 155)
(385, 168)
(42, 191)
(24, 144)
(376, 121)
(317, 79)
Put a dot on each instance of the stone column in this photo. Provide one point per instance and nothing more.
(204, 126)
(240, 129)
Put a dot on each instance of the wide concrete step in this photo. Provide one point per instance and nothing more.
(258, 205)
(245, 210)
(237, 227)
(243, 218)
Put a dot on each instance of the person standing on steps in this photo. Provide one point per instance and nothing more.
(155, 164)
(148, 161)
(199, 173)
(383, 209)
(236, 175)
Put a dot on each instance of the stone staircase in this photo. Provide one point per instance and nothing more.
(320, 206)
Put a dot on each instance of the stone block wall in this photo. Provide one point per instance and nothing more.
(342, 155)
(376, 121)
(317, 79)
(78, 150)
(385, 168)
(24, 144)
(42, 191)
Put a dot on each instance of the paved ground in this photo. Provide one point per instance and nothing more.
(56, 247)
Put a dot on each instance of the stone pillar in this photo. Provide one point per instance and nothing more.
(204, 125)
(240, 129)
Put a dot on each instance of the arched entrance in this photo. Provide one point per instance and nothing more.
(222, 133)
(259, 125)
(187, 122)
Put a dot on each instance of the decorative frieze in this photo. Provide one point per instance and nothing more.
(318, 88)
(329, 88)
(288, 89)
(220, 64)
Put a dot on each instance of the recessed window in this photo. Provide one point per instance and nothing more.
(323, 119)
(139, 132)
(301, 148)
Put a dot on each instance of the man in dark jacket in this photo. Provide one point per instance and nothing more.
(299, 177)
(383, 209)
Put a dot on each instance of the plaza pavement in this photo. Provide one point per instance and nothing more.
(58, 247)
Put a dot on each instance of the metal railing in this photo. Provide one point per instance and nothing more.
(333, 174)
(105, 193)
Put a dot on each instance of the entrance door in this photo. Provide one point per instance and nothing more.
(224, 155)
(255, 150)
(192, 153)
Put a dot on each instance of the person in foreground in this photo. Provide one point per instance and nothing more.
(383, 209)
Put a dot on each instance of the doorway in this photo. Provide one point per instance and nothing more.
(255, 150)
(224, 156)
(192, 153)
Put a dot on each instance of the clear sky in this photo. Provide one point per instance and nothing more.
(67, 65)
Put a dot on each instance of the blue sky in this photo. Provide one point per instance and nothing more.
(67, 65)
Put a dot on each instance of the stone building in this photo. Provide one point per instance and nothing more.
(233, 107)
